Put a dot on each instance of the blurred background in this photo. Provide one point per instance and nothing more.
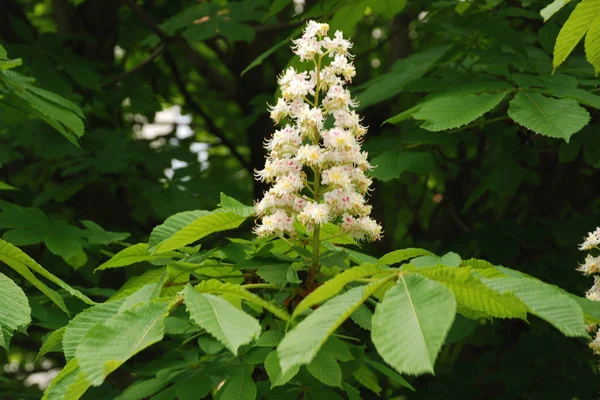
(175, 93)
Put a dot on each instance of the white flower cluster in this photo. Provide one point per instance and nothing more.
(591, 266)
(315, 164)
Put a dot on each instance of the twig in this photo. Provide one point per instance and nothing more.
(215, 130)
(156, 53)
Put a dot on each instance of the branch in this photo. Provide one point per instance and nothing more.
(215, 130)
(156, 53)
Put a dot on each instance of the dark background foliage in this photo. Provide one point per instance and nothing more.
(490, 190)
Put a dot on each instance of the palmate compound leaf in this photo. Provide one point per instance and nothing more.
(226, 323)
(475, 299)
(558, 118)
(580, 20)
(301, 344)
(109, 344)
(335, 285)
(546, 301)
(14, 310)
(411, 323)
(186, 227)
(448, 111)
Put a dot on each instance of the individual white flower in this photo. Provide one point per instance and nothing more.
(314, 214)
(279, 223)
(339, 139)
(284, 140)
(309, 154)
(307, 47)
(287, 184)
(314, 28)
(349, 120)
(363, 228)
(595, 344)
(338, 177)
(310, 119)
(594, 292)
(342, 66)
(279, 110)
(592, 240)
(271, 202)
(338, 98)
(338, 45)
(591, 265)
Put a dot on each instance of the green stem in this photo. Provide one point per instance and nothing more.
(260, 286)
(316, 242)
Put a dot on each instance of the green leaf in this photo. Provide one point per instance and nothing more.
(552, 8)
(591, 309)
(449, 260)
(559, 118)
(389, 8)
(230, 204)
(263, 56)
(392, 164)
(403, 72)
(52, 343)
(239, 386)
(41, 286)
(137, 282)
(107, 345)
(390, 373)
(545, 301)
(473, 297)
(226, 323)
(274, 372)
(6, 186)
(132, 255)
(14, 312)
(333, 286)
(574, 29)
(398, 256)
(142, 389)
(592, 44)
(95, 234)
(451, 110)
(367, 378)
(69, 384)
(269, 338)
(411, 323)
(17, 259)
(84, 321)
(326, 369)
(187, 227)
(301, 344)
(214, 286)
